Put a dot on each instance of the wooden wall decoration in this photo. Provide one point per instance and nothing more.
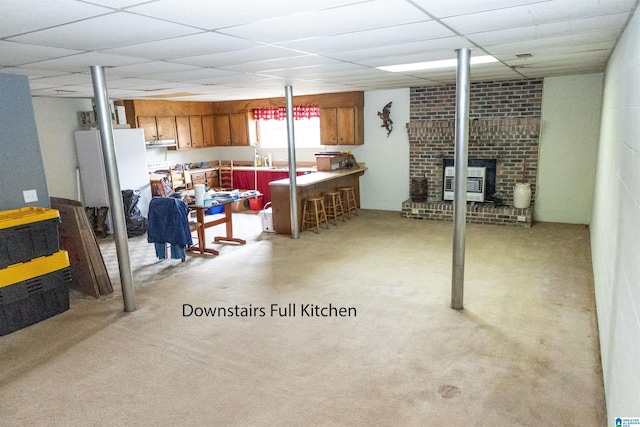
(387, 123)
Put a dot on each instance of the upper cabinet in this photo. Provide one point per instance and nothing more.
(207, 130)
(231, 129)
(197, 135)
(231, 123)
(157, 128)
(341, 126)
(183, 129)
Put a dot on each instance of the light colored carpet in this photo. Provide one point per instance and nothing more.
(523, 352)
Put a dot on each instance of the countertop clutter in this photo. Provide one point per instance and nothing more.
(229, 175)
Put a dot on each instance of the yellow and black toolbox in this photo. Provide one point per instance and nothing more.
(34, 272)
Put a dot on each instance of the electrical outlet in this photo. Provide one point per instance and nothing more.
(522, 218)
(414, 211)
(30, 196)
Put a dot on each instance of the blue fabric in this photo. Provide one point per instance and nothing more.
(168, 222)
(178, 252)
(161, 250)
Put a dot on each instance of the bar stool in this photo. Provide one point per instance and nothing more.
(333, 206)
(314, 214)
(349, 198)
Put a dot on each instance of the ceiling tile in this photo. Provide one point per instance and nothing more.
(29, 15)
(443, 9)
(414, 32)
(189, 75)
(552, 29)
(544, 46)
(207, 15)
(113, 30)
(82, 62)
(428, 50)
(12, 53)
(205, 50)
(339, 20)
(190, 45)
(535, 14)
(147, 68)
(279, 64)
(261, 53)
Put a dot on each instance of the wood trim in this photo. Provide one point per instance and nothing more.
(345, 99)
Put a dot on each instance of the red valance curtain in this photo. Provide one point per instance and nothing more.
(300, 112)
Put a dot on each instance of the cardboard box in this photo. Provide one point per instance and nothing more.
(330, 162)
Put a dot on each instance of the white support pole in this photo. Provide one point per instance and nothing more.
(460, 187)
(113, 185)
(293, 193)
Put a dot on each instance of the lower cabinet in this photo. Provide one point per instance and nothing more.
(209, 178)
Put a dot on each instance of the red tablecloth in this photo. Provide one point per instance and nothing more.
(245, 180)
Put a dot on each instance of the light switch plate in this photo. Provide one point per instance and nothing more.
(30, 196)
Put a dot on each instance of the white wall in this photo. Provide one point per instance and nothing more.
(568, 148)
(57, 120)
(386, 184)
(615, 228)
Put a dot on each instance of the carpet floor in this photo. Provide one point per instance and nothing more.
(349, 327)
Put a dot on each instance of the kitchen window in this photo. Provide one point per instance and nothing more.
(273, 133)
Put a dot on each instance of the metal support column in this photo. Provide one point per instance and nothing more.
(293, 193)
(113, 184)
(460, 188)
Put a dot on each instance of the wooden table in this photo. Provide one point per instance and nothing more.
(310, 185)
(201, 247)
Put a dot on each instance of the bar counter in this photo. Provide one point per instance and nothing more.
(310, 185)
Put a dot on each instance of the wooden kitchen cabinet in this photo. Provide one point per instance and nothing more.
(157, 128)
(207, 130)
(197, 135)
(342, 126)
(221, 129)
(239, 129)
(183, 129)
(231, 129)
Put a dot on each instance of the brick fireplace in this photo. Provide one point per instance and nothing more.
(504, 126)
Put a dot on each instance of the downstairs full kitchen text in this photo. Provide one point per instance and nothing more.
(273, 310)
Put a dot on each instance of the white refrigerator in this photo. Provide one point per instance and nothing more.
(131, 158)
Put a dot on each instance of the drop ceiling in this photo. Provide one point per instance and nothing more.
(211, 50)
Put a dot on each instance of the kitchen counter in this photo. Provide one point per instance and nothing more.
(273, 169)
(318, 177)
(310, 185)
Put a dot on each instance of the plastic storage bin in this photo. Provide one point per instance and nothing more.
(28, 233)
(214, 210)
(34, 291)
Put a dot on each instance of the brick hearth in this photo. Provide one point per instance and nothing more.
(504, 125)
